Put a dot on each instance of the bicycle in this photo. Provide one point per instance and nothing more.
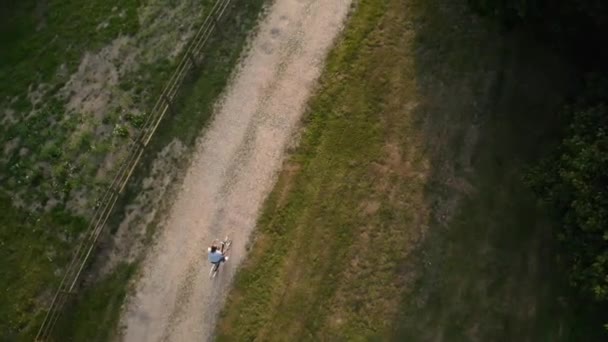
(224, 248)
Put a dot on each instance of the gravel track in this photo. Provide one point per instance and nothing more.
(233, 169)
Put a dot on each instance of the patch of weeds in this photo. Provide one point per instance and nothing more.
(85, 142)
(120, 131)
(136, 120)
(103, 148)
(126, 85)
(110, 118)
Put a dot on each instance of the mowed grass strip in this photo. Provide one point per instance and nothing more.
(329, 245)
(403, 215)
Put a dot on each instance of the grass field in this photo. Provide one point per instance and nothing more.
(28, 264)
(403, 215)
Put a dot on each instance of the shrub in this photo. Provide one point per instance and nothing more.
(575, 183)
(121, 131)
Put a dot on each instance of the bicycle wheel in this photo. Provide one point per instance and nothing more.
(213, 271)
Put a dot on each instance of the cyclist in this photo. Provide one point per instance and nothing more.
(216, 255)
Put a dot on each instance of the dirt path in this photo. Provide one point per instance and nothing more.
(233, 170)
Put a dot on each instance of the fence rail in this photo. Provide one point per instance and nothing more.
(106, 203)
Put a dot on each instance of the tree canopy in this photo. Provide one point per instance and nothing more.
(574, 181)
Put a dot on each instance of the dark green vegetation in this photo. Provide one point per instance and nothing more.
(94, 318)
(39, 36)
(29, 251)
(574, 181)
(404, 214)
(90, 318)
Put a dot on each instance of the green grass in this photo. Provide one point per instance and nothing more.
(96, 310)
(31, 249)
(40, 36)
(403, 214)
(90, 318)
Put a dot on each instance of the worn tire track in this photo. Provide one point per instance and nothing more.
(233, 169)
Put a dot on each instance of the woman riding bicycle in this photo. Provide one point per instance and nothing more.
(216, 255)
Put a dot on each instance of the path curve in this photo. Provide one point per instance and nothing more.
(233, 170)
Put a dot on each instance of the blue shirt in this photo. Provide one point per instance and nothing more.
(215, 256)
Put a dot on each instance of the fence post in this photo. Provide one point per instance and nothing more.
(168, 103)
